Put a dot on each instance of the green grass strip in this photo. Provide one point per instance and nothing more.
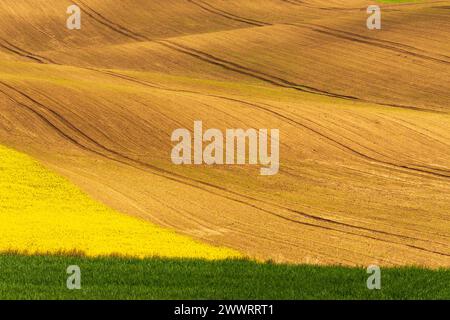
(44, 277)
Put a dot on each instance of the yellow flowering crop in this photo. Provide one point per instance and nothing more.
(41, 212)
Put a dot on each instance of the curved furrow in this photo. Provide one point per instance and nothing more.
(319, 253)
(294, 2)
(392, 160)
(23, 53)
(232, 66)
(108, 23)
(210, 8)
(349, 37)
(395, 46)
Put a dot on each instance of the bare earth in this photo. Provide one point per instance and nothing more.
(364, 118)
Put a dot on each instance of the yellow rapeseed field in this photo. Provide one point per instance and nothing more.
(41, 212)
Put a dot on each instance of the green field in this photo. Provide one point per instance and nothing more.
(44, 277)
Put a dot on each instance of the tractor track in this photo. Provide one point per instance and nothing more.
(211, 9)
(365, 40)
(23, 53)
